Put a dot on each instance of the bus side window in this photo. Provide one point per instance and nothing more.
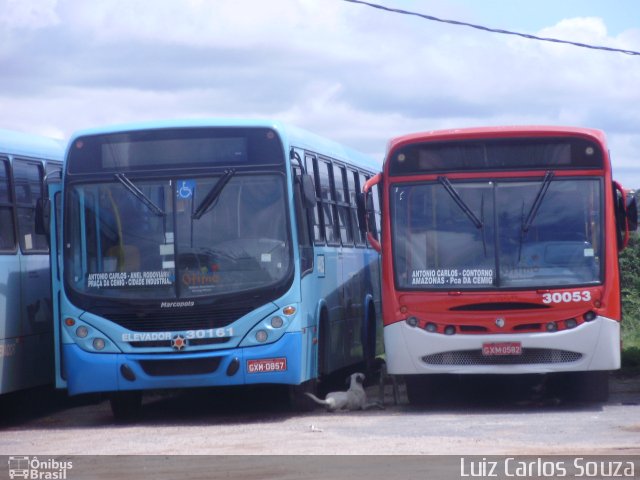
(7, 225)
(342, 202)
(352, 185)
(312, 169)
(28, 187)
(377, 215)
(328, 198)
(373, 219)
(305, 245)
(52, 167)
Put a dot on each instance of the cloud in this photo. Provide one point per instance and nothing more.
(28, 14)
(345, 71)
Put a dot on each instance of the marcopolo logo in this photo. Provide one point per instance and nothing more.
(34, 468)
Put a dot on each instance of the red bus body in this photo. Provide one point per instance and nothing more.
(464, 317)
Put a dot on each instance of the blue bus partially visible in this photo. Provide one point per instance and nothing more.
(210, 253)
(26, 325)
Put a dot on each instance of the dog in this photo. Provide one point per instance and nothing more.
(355, 398)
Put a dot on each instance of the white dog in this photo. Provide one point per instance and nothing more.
(355, 398)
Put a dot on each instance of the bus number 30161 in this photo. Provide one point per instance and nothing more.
(566, 297)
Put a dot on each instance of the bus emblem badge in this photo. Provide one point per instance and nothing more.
(500, 322)
(178, 342)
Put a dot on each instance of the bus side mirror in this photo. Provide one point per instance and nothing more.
(308, 191)
(632, 213)
(43, 205)
(43, 217)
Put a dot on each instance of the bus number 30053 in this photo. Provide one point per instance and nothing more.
(566, 297)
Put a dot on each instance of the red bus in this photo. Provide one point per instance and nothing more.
(500, 255)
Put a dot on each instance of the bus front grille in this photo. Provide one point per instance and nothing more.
(190, 366)
(529, 356)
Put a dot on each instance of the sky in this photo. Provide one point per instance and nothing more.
(345, 71)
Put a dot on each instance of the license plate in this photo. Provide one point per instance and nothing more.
(502, 348)
(266, 365)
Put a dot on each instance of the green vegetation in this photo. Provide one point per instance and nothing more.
(630, 285)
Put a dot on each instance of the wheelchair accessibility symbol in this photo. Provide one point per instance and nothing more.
(185, 188)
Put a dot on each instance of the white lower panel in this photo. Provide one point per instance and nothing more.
(597, 342)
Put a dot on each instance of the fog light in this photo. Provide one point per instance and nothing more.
(98, 343)
(449, 330)
(82, 331)
(412, 321)
(571, 323)
(261, 336)
(277, 322)
(552, 327)
(431, 327)
(589, 316)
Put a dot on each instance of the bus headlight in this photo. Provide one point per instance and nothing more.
(412, 321)
(261, 336)
(82, 331)
(273, 327)
(571, 323)
(86, 336)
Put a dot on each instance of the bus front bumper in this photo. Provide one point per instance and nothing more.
(277, 363)
(591, 346)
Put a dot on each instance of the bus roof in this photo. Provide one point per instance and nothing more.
(28, 145)
(291, 135)
(495, 132)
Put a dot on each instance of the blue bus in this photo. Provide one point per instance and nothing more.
(26, 326)
(210, 253)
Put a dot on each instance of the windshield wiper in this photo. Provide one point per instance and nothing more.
(459, 201)
(213, 194)
(548, 176)
(129, 185)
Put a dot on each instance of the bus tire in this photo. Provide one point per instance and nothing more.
(591, 387)
(298, 401)
(126, 405)
(420, 389)
(324, 344)
(369, 344)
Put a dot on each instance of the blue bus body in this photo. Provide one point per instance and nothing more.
(222, 287)
(26, 326)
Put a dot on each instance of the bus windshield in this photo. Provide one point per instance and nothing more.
(119, 246)
(530, 233)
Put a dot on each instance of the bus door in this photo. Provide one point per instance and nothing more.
(10, 324)
(55, 235)
(36, 320)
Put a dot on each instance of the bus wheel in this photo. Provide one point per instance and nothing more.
(369, 345)
(590, 387)
(126, 405)
(423, 389)
(298, 401)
